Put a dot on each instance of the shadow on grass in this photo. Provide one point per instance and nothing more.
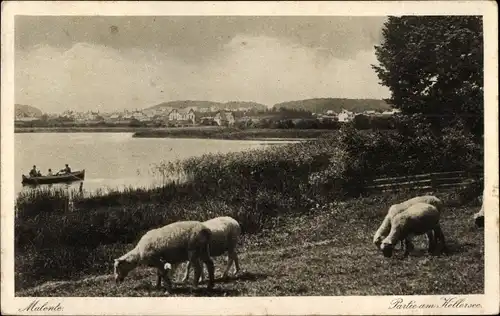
(182, 289)
(243, 276)
(456, 248)
(452, 248)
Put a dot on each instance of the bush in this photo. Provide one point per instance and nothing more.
(39, 201)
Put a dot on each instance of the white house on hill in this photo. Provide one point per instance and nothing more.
(224, 118)
(182, 115)
(345, 116)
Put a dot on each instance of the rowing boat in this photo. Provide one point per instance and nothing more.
(66, 177)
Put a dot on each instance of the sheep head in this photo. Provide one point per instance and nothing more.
(387, 249)
(121, 268)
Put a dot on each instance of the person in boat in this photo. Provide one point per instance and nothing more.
(49, 173)
(33, 172)
(66, 169)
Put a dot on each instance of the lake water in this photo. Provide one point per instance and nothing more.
(110, 160)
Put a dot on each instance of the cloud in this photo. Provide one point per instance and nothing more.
(198, 38)
(257, 68)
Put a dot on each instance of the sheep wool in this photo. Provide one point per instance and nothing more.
(173, 243)
(418, 219)
(225, 236)
(395, 209)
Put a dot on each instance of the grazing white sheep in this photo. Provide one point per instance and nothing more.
(226, 232)
(479, 217)
(395, 209)
(168, 245)
(418, 219)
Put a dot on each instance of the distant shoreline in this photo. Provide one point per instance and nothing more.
(203, 132)
(120, 129)
(235, 134)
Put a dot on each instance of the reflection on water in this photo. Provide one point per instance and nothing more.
(110, 160)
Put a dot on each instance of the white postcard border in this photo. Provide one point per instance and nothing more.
(362, 305)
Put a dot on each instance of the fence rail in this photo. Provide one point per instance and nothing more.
(435, 181)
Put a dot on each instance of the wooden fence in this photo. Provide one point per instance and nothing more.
(438, 181)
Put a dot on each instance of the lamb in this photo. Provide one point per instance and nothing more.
(225, 235)
(168, 245)
(418, 219)
(395, 209)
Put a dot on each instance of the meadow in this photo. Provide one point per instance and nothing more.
(307, 221)
(325, 252)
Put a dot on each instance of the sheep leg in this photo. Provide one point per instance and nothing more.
(204, 257)
(186, 274)
(172, 271)
(408, 247)
(236, 263)
(409, 241)
(194, 261)
(230, 261)
(167, 280)
(202, 275)
(439, 235)
(197, 271)
(159, 275)
(232, 258)
(432, 241)
(210, 267)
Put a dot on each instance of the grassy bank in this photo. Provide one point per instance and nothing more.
(260, 188)
(233, 133)
(325, 252)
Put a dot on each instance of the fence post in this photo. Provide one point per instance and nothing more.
(433, 181)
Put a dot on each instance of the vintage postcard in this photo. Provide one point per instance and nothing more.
(249, 158)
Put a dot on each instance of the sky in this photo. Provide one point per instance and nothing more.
(116, 63)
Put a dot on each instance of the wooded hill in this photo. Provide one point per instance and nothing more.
(232, 105)
(321, 105)
(23, 110)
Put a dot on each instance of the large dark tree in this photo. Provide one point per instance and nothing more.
(433, 65)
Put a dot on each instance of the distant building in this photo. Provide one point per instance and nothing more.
(224, 118)
(141, 117)
(182, 115)
(345, 116)
(207, 120)
(68, 114)
(115, 116)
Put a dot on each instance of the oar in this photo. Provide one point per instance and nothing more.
(70, 174)
(75, 176)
